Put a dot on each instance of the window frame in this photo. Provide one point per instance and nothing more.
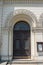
(37, 46)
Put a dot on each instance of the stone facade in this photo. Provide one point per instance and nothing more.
(9, 15)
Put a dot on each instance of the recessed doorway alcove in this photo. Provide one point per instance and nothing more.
(21, 40)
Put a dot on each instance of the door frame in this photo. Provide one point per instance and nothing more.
(29, 38)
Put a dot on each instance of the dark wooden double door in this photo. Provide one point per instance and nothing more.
(21, 44)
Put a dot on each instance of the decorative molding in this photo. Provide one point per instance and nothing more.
(22, 1)
(37, 29)
(17, 14)
(41, 20)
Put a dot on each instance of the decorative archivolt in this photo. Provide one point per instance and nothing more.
(20, 14)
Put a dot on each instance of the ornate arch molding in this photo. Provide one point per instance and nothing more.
(21, 14)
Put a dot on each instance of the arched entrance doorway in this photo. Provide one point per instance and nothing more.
(21, 40)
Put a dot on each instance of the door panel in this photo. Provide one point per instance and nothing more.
(21, 44)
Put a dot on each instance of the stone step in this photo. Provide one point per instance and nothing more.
(25, 62)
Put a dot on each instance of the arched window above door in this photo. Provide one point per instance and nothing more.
(21, 25)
